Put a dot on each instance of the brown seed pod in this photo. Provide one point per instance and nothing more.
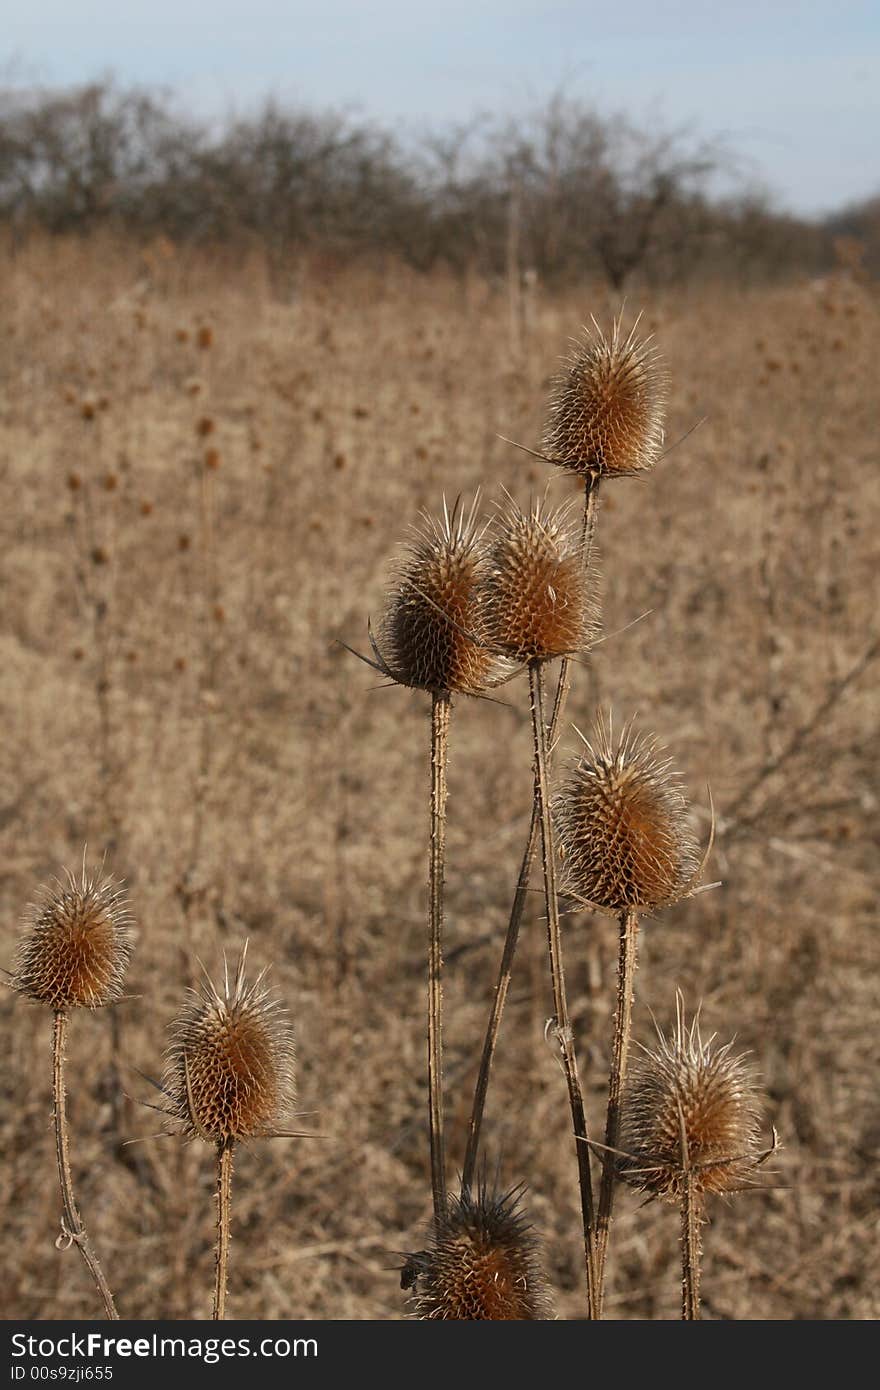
(78, 945)
(434, 634)
(229, 1068)
(622, 825)
(686, 1088)
(605, 415)
(482, 1264)
(540, 599)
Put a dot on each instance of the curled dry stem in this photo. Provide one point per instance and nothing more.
(73, 1231)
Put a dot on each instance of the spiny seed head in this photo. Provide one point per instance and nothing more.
(482, 1264)
(685, 1086)
(78, 944)
(229, 1068)
(622, 824)
(540, 596)
(434, 632)
(605, 416)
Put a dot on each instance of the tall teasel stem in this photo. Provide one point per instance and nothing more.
(224, 1212)
(560, 1005)
(511, 940)
(626, 969)
(73, 1229)
(691, 1249)
(440, 712)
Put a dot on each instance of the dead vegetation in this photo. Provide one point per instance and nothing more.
(199, 488)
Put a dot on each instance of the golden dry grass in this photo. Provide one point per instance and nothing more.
(201, 487)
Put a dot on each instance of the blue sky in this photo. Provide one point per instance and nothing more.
(794, 87)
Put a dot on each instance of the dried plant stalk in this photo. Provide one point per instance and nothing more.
(73, 1228)
(563, 1025)
(626, 969)
(440, 712)
(224, 1206)
(511, 940)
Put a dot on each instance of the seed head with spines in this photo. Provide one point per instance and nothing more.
(229, 1068)
(540, 595)
(605, 416)
(623, 825)
(434, 635)
(78, 944)
(482, 1264)
(687, 1087)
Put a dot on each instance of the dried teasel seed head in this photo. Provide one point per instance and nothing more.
(229, 1067)
(78, 944)
(605, 416)
(623, 825)
(434, 634)
(541, 599)
(690, 1104)
(482, 1264)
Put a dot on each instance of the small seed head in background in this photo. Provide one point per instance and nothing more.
(434, 634)
(229, 1068)
(687, 1083)
(606, 411)
(78, 944)
(541, 601)
(623, 825)
(482, 1264)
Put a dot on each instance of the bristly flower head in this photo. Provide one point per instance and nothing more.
(541, 596)
(690, 1108)
(78, 945)
(229, 1068)
(605, 417)
(434, 635)
(623, 825)
(482, 1265)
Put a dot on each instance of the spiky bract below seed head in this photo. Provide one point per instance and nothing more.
(623, 825)
(78, 944)
(229, 1067)
(685, 1086)
(482, 1264)
(541, 598)
(434, 633)
(605, 415)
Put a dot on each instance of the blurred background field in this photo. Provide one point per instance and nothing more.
(204, 470)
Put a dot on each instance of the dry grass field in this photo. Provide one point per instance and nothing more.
(202, 480)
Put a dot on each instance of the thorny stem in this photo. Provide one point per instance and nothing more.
(72, 1227)
(440, 711)
(511, 940)
(564, 1032)
(626, 969)
(690, 1250)
(224, 1201)
(691, 1215)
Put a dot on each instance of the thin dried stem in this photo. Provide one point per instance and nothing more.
(563, 1025)
(691, 1205)
(626, 969)
(440, 711)
(224, 1203)
(73, 1229)
(691, 1215)
(511, 940)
